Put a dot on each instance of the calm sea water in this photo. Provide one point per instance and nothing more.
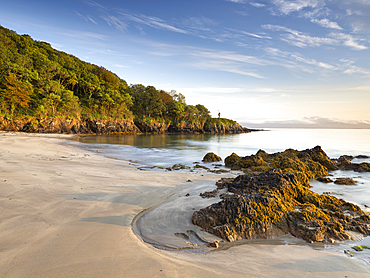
(167, 150)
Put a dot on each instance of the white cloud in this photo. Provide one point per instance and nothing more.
(300, 39)
(257, 5)
(94, 4)
(152, 21)
(349, 40)
(236, 1)
(236, 33)
(85, 35)
(288, 6)
(115, 22)
(327, 24)
(86, 18)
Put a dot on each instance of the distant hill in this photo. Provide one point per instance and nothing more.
(313, 122)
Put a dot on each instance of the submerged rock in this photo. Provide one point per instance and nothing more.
(324, 179)
(273, 203)
(345, 181)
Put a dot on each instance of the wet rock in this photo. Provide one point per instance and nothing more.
(201, 167)
(345, 181)
(209, 194)
(273, 203)
(349, 253)
(213, 244)
(324, 179)
(305, 165)
(362, 156)
(211, 157)
(360, 248)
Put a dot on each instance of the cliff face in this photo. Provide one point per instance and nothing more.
(97, 126)
(69, 126)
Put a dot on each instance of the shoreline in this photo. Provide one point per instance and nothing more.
(68, 212)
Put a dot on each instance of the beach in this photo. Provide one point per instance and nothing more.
(67, 212)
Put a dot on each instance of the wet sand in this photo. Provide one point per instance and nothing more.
(66, 212)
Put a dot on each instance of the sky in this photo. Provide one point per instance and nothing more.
(260, 62)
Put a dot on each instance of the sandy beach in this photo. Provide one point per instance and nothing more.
(67, 212)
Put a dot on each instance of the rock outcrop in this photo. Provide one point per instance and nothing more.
(71, 126)
(305, 165)
(345, 163)
(273, 197)
(99, 126)
(152, 127)
(206, 127)
(272, 203)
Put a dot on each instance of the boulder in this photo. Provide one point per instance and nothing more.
(211, 157)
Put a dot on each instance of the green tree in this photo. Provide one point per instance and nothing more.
(203, 111)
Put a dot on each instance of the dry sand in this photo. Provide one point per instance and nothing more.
(65, 212)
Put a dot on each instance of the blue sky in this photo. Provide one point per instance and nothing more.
(254, 61)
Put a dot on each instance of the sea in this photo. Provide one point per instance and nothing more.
(186, 149)
(165, 150)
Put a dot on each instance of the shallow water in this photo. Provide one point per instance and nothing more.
(166, 150)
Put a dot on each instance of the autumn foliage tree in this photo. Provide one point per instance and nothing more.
(16, 94)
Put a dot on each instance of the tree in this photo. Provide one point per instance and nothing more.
(203, 111)
(16, 93)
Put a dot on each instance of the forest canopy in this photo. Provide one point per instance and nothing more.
(39, 81)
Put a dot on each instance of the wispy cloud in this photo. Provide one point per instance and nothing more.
(86, 18)
(349, 40)
(241, 32)
(297, 61)
(300, 39)
(288, 6)
(151, 21)
(257, 5)
(227, 61)
(83, 35)
(327, 24)
(115, 22)
(236, 1)
(94, 4)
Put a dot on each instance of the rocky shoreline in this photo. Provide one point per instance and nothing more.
(273, 198)
(113, 127)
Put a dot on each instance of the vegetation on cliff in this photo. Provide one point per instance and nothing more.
(40, 82)
(274, 198)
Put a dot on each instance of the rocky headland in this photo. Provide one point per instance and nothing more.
(274, 198)
(109, 126)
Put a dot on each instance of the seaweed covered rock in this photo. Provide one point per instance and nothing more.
(273, 203)
(211, 157)
(345, 181)
(305, 165)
